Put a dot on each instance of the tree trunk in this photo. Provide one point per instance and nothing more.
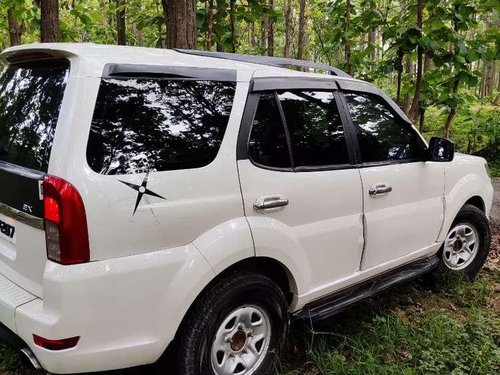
(270, 32)
(287, 50)
(232, 22)
(210, 24)
(421, 120)
(420, 51)
(220, 23)
(372, 34)
(49, 21)
(263, 33)
(120, 22)
(251, 34)
(181, 23)
(302, 30)
(399, 70)
(409, 71)
(16, 28)
(347, 42)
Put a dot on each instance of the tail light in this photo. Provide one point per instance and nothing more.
(59, 344)
(65, 222)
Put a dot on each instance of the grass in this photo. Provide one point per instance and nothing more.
(494, 168)
(417, 328)
(452, 329)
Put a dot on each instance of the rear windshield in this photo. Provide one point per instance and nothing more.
(30, 99)
(158, 124)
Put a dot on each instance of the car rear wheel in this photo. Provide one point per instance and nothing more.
(467, 244)
(237, 327)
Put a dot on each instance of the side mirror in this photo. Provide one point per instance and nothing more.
(441, 149)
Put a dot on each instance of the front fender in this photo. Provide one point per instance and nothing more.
(466, 187)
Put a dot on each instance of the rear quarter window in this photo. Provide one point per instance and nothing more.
(158, 124)
(31, 94)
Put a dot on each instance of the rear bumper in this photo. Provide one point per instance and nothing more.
(126, 311)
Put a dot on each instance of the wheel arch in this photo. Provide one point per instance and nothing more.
(467, 190)
(270, 267)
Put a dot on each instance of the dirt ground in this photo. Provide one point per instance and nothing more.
(494, 259)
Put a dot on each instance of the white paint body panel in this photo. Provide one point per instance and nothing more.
(409, 217)
(323, 220)
(147, 270)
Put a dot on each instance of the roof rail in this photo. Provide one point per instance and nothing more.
(266, 60)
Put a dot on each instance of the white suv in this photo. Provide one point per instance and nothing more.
(154, 199)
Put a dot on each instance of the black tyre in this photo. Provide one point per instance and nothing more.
(467, 244)
(238, 326)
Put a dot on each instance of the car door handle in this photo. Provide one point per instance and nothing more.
(379, 190)
(270, 201)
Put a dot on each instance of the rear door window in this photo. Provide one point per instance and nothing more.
(268, 145)
(316, 131)
(158, 124)
(31, 94)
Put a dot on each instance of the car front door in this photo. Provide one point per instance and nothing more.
(301, 189)
(402, 193)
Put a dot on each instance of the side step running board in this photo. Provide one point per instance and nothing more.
(337, 302)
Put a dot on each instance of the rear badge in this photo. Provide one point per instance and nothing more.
(141, 191)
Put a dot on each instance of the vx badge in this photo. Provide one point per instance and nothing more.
(141, 191)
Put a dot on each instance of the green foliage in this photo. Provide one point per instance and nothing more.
(451, 330)
(460, 40)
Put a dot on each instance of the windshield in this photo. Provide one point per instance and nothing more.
(30, 99)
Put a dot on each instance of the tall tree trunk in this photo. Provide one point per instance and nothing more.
(420, 51)
(399, 70)
(347, 42)
(372, 34)
(181, 23)
(232, 22)
(287, 50)
(120, 22)
(409, 71)
(16, 28)
(421, 120)
(302, 30)
(263, 33)
(49, 21)
(270, 31)
(220, 24)
(210, 24)
(456, 83)
(251, 33)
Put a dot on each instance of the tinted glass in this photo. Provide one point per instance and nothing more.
(268, 144)
(30, 100)
(158, 125)
(316, 131)
(381, 136)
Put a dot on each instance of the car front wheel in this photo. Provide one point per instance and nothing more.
(467, 244)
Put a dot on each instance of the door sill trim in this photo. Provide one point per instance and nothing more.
(341, 300)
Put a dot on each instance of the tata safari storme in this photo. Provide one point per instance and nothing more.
(156, 199)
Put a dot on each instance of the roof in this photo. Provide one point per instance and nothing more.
(96, 56)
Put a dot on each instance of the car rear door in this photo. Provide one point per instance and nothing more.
(301, 189)
(31, 94)
(402, 193)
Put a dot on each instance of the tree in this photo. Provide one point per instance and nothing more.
(302, 30)
(16, 28)
(347, 40)
(415, 105)
(50, 31)
(209, 8)
(287, 50)
(120, 22)
(270, 31)
(181, 23)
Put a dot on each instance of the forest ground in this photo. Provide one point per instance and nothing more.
(452, 327)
